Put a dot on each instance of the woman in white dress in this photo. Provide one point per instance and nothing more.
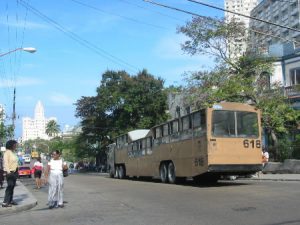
(56, 180)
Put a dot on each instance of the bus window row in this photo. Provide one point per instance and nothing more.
(140, 147)
(194, 121)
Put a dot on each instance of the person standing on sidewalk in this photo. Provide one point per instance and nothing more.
(1, 171)
(55, 180)
(10, 161)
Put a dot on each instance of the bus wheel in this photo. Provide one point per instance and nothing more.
(121, 172)
(117, 175)
(171, 173)
(163, 172)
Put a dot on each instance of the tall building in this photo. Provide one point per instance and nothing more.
(285, 13)
(36, 127)
(2, 113)
(237, 46)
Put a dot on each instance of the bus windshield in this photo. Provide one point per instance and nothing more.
(234, 124)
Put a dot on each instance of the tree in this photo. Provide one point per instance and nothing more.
(52, 128)
(240, 79)
(122, 103)
(6, 131)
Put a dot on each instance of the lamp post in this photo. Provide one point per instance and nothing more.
(27, 49)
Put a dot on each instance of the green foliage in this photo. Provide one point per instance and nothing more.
(6, 132)
(52, 128)
(66, 147)
(295, 145)
(122, 103)
(211, 36)
(240, 79)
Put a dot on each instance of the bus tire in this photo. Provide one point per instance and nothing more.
(121, 172)
(117, 172)
(171, 173)
(163, 172)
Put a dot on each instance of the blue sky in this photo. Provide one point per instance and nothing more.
(114, 34)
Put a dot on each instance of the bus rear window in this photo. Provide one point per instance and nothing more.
(234, 124)
(247, 124)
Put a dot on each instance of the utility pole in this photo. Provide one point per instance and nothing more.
(14, 112)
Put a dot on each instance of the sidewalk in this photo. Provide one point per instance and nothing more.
(22, 196)
(275, 177)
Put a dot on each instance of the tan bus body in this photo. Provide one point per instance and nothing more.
(222, 140)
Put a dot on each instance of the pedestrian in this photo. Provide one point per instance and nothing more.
(265, 158)
(55, 180)
(10, 165)
(1, 171)
(38, 170)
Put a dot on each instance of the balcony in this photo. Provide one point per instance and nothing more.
(292, 91)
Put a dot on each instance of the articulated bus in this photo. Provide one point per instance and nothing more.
(219, 141)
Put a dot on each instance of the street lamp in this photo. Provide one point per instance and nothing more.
(27, 49)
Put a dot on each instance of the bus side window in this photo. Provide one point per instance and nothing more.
(197, 120)
(174, 127)
(203, 119)
(186, 123)
(165, 130)
(158, 132)
(144, 146)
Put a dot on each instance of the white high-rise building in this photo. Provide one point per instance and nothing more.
(238, 46)
(36, 127)
(2, 113)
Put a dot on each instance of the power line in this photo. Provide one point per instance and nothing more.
(114, 14)
(78, 39)
(205, 17)
(141, 7)
(176, 9)
(240, 14)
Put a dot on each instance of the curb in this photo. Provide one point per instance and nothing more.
(17, 209)
(31, 202)
(270, 179)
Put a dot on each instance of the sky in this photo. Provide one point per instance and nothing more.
(78, 40)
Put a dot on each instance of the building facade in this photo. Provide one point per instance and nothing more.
(285, 13)
(237, 45)
(2, 113)
(291, 76)
(34, 128)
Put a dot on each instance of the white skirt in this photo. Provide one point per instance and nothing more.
(56, 188)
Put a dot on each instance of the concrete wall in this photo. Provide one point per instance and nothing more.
(288, 166)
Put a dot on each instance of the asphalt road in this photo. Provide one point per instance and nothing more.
(95, 200)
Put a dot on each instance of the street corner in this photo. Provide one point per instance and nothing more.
(22, 196)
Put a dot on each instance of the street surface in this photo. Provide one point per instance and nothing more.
(94, 199)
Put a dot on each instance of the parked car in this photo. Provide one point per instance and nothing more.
(24, 171)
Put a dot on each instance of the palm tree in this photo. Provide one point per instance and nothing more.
(52, 128)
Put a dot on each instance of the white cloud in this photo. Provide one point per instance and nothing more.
(61, 99)
(20, 82)
(27, 24)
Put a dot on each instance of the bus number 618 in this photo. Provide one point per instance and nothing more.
(251, 143)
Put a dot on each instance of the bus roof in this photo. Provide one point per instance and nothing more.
(138, 134)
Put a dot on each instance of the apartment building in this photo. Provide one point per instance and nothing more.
(285, 13)
(238, 46)
(34, 128)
